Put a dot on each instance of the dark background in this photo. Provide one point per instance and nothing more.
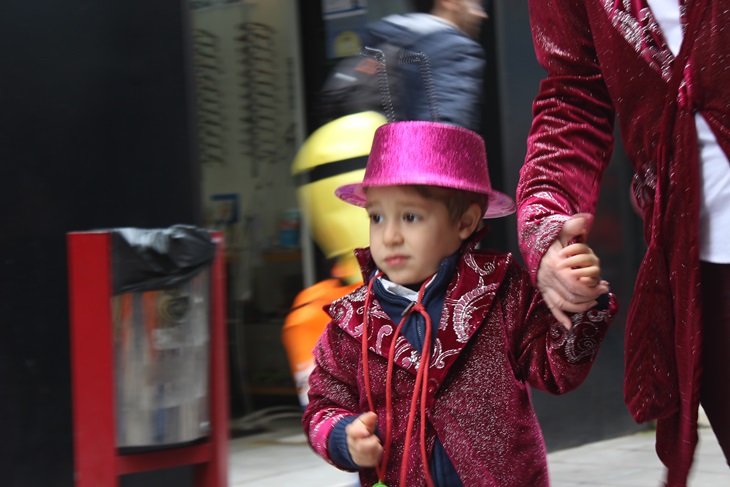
(95, 132)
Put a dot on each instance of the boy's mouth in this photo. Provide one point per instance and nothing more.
(395, 260)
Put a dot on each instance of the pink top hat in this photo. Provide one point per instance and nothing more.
(432, 154)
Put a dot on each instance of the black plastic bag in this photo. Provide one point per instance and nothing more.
(149, 259)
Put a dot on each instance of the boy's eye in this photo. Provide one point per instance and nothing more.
(410, 217)
(376, 218)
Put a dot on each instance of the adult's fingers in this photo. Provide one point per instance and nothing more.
(575, 229)
(554, 304)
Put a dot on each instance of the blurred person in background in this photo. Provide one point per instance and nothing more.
(447, 32)
(662, 66)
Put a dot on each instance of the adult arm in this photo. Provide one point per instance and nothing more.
(569, 145)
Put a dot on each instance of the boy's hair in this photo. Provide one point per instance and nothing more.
(457, 201)
(425, 6)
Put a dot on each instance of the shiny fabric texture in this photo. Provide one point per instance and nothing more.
(432, 154)
(495, 340)
(607, 57)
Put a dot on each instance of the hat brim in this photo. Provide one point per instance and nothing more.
(500, 204)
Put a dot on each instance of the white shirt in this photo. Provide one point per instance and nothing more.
(402, 290)
(714, 165)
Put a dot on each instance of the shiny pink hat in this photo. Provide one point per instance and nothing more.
(432, 154)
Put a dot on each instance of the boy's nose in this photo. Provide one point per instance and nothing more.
(392, 234)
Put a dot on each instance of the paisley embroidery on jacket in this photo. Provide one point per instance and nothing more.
(342, 311)
(358, 295)
(540, 229)
(412, 360)
(439, 355)
(471, 262)
(384, 331)
(321, 445)
(445, 321)
(642, 32)
(465, 307)
(579, 343)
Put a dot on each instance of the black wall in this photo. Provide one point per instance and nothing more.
(95, 131)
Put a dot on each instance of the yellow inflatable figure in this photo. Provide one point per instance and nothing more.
(335, 154)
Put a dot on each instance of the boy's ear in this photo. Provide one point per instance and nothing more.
(469, 221)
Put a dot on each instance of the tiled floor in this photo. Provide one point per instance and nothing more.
(280, 457)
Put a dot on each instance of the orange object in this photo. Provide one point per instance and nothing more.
(333, 155)
(303, 326)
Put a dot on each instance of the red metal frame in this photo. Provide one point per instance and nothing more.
(97, 461)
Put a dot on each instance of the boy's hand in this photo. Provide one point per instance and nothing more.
(362, 442)
(581, 264)
(569, 273)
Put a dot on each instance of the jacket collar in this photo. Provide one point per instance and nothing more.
(469, 298)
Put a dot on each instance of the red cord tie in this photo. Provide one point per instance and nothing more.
(419, 391)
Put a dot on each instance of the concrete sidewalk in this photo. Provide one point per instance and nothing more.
(280, 457)
(630, 461)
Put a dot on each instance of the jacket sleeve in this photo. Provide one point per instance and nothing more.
(548, 356)
(571, 138)
(332, 390)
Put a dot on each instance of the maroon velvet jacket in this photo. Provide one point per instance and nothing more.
(606, 57)
(496, 336)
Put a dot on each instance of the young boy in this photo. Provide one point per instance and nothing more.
(422, 377)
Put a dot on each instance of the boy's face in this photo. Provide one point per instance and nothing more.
(410, 235)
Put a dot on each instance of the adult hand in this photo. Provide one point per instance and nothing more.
(362, 442)
(569, 272)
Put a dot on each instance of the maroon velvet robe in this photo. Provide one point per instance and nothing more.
(606, 57)
(496, 336)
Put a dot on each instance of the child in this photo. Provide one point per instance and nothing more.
(422, 377)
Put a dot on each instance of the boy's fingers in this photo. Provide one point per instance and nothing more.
(587, 271)
(369, 420)
(358, 429)
(365, 451)
(578, 261)
(576, 249)
(562, 318)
